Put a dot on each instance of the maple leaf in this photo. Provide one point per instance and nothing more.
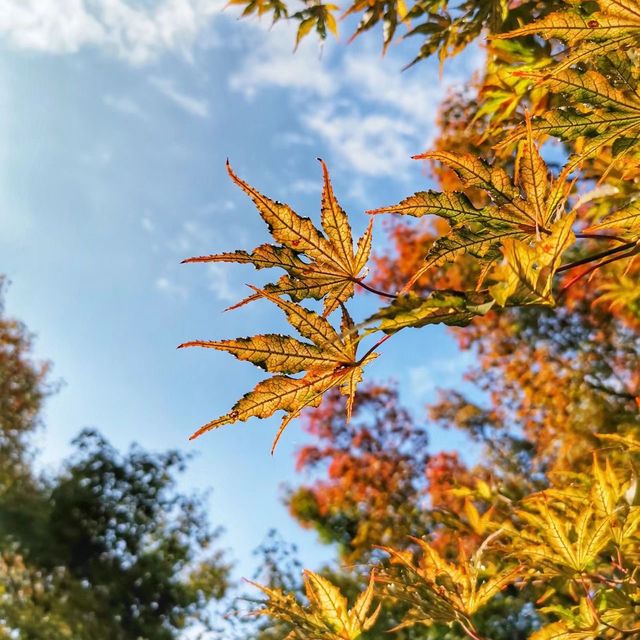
(563, 631)
(615, 26)
(562, 544)
(452, 308)
(390, 12)
(316, 266)
(530, 269)
(440, 591)
(329, 360)
(319, 16)
(606, 491)
(626, 442)
(621, 292)
(448, 31)
(592, 109)
(610, 498)
(327, 617)
(624, 222)
(591, 618)
(262, 7)
(519, 208)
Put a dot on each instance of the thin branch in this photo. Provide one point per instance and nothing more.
(624, 632)
(469, 630)
(625, 395)
(613, 258)
(597, 256)
(384, 294)
(375, 346)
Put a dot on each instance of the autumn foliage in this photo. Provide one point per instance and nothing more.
(529, 250)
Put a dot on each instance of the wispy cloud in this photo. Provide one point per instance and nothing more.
(271, 64)
(372, 117)
(191, 238)
(304, 185)
(440, 373)
(137, 34)
(100, 156)
(219, 283)
(147, 224)
(372, 144)
(171, 289)
(190, 104)
(124, 105)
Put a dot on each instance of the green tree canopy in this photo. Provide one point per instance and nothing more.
(107, 548)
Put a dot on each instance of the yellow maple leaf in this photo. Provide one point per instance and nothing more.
(317, 266)
(522, 207)
(530, 268)
(329, 360)
(615, 26)
(327, 616)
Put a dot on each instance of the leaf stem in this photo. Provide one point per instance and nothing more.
(469, 630)
(597, 266)
(597, 256)
(392, 296)
(375, 346)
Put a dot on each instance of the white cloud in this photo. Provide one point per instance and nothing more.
(293, 138)
(188, 103)
(147, 224)
(422, 382)
(124, 105)
(372, 116)
(439, 373)
(304, 185)
(170, 288)
(219, 283)
(16, 223)
(100, 156)
(137, 34)
(192, 236)
(372, 145)
(272, 63)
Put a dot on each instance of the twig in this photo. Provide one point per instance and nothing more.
(393, 296)
(471, 632)
(375, 346)
(597, 256)
(597, 266)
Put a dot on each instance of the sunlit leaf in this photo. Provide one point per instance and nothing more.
(518, 209)
(316, 266)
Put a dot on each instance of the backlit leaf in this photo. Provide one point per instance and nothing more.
(529, 270)
(330, 361)
(518, 209)
(327, 616)
(316, 266)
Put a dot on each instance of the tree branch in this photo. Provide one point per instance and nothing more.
(597, 256)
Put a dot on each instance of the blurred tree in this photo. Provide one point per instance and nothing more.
(23, 387)
(108, 547)
(370, 481)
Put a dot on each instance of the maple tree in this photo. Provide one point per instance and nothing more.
(537, 270)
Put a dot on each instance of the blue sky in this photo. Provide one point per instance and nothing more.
(115, 122)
